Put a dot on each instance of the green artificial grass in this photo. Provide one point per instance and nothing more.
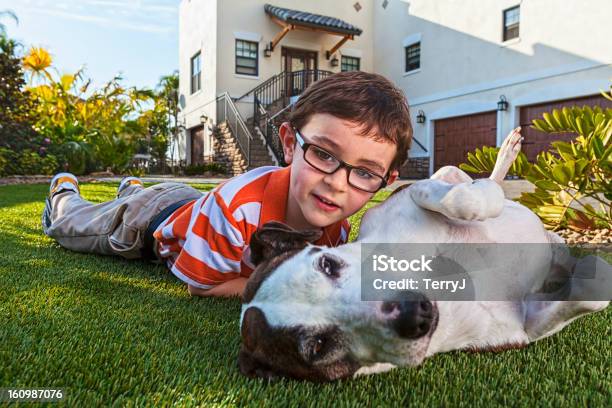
(111, 331)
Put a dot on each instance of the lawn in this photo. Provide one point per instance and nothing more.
(126, 332)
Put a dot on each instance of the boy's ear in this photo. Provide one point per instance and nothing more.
(288, 140)
(392, 177)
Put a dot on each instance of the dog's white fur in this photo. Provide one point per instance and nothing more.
(448, 208)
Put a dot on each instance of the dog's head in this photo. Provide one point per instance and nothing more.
(302, 314)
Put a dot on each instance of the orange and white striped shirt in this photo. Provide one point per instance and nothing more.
(205, 242)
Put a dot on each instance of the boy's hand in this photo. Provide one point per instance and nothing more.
(233, 287)
(508, 152)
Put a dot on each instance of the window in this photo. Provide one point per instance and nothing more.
(511, 23)
(246, 57)
(196, 71)
(349, 64)
(413, 57)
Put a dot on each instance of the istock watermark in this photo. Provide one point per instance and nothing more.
(487, 272)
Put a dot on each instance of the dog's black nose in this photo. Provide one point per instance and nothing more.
(415, 316)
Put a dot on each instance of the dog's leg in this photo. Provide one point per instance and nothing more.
(477, 200)
(508, 151)
(545, 318)
(586, 289)
(451, 191)
(452, 175)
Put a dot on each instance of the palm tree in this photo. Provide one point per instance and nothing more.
(168, 89)
(10, 14)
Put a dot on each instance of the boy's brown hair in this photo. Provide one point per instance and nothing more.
(369, 100)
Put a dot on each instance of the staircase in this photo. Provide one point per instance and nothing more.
(260, 155)
(241, 145)
(227, 151)
(271, 104)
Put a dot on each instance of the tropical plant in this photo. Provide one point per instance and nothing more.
(160, 121)
(17, 116)
(573, 180)
(200, 169)
(168, 94)
(96, 127)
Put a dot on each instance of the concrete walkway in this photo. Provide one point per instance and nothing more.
(164, 178)
(512, 188)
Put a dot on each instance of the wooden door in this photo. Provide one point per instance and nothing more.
(197, 145)
(455, 137)
(301, 64)
(536, 141)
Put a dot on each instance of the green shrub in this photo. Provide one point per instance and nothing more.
(30, 162)
(135, 171)
(199, 169)
(74, 157)
(571, 175)
(26, 162)
(4, 161)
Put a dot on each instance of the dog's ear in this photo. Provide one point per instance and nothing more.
(275, 238)
(254, 323)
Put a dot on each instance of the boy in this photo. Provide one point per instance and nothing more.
(346, 138)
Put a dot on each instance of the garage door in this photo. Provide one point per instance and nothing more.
(455, 137)
(536, 141)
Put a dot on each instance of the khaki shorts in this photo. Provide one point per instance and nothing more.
(116, 227)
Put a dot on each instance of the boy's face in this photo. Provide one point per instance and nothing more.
(317, 199)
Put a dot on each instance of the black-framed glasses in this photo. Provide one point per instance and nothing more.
(324, 161)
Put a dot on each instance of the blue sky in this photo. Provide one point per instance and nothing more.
(138, 38)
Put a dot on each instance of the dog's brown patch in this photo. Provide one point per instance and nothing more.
(270, 246)
(271, 352)
(400, 188)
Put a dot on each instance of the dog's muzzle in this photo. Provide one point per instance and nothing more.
(415, 317)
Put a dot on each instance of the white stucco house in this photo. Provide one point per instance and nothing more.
(471, 70)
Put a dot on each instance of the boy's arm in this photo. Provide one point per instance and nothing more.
(233, 287)
(224, 237)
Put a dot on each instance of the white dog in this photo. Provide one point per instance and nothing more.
(302, 313)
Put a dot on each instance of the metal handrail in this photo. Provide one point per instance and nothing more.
(287, 84)
(281, 111)
(258, 87)
(279, 88)
(228, 113)
(270, 133)
(419, 143)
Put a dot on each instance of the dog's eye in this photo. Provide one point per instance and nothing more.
(318, 346)
(329, 266)
(314, 348)
(322, 347)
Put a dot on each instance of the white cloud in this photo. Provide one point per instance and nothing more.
(135, 15)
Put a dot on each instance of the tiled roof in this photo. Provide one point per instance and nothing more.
(312, 20)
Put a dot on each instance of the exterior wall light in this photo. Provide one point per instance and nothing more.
(203, 119)
(502, 104)
(420, 117)
(268, 51)
(334, 61)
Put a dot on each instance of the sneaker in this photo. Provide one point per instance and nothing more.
(62, 182)
(126, 182)
(59, 183)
